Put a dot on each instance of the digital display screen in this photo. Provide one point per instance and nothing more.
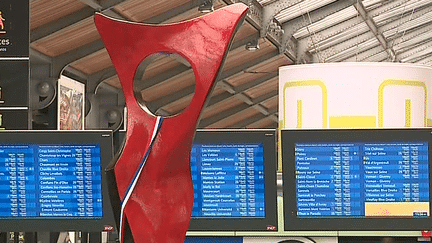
(228, 180)
(366, 179)
(357, 179)
(234, 180)
(50, 181)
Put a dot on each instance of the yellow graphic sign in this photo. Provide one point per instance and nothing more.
(1, 122)
(352, 121)
(2, 24)
(306, 83)
(408, 106)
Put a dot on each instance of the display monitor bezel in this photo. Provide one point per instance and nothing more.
(104, 140)
(288, 140)
(268, 138)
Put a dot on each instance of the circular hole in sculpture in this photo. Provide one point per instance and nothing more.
(164, 84)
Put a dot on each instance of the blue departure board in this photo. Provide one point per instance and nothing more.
(362, 179)
(50, 181)
(228, 180)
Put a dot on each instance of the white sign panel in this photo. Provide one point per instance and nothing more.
(355, 95)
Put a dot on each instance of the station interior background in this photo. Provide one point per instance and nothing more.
(64, 41)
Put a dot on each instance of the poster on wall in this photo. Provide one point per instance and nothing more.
(70, 108)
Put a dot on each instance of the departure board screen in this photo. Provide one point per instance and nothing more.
(357, 179)
(55, 181)
(362, 179)
(234, 180)
(50, 181)
(228, 180)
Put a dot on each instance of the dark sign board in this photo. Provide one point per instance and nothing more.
(14, 64)
(14, 119)
(14, 28)
(14, 83)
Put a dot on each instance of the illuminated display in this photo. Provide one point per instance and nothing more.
(357, 179)
(234, 180)
(228, 180)
(50, 181)
(362, 179)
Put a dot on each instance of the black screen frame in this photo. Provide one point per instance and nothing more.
(268, 138)
(288, 140)
(104, 139)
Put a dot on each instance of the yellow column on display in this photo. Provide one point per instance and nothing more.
(407, 113)
(299, 113)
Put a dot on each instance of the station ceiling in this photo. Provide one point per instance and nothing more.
(290, 32)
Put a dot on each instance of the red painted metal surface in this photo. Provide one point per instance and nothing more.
(160, 206)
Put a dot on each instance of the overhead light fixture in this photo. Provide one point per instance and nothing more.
(252, 45)
(206, 6)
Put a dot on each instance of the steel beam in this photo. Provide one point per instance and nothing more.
(109, 4)
(239, 89)
(38, 57)
(255, 14)
(333, 20)
(93, 4)
(255, 82)
(374, 28)
(292, 26)
(248, 121)
(227, 87)
(353, 50)
(406, 55)
(98, 78)
(62, 23)
(218, 98)
(425, 60)
(170, 13)
(176, 71)
(425, 50)
(331, 37)
(407, 23)
(364, 55)
(60, 62)
(254, 62)
(226, 114)
(412, 39)
(147, 83)
(378, 57)
(253, 119)
(70, 19)
(210, 120)
(74, 74)
(163, 101)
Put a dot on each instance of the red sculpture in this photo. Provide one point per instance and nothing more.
(152, 174)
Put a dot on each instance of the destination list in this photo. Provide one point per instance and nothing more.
(228, 180)
(50, 181)
(337, 180)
